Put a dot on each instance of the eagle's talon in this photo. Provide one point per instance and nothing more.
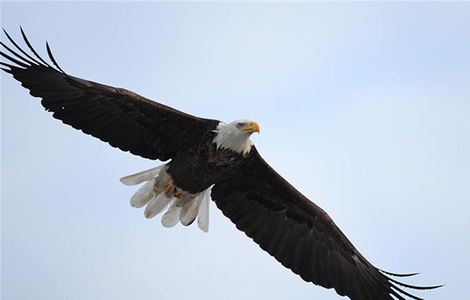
(180, 193)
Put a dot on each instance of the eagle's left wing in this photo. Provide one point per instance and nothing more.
(299, 234)
(117, 116)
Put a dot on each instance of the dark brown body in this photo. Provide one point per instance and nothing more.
(202, 165)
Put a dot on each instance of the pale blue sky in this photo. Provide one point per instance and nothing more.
(364, 107)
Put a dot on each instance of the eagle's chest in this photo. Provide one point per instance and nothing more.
(202, 166)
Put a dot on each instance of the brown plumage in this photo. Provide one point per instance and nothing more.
(287, 225)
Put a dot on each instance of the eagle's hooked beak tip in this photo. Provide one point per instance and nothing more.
(253, 127)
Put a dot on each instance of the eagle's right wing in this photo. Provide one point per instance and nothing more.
(120, 117)
(300, 235)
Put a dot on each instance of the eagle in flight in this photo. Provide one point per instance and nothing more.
(208, 159)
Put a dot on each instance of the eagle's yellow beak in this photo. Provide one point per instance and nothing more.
(250, 127)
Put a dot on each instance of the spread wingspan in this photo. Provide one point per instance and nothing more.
(287, 225)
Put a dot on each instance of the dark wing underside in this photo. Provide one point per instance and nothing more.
(120, 117)
(300, 235)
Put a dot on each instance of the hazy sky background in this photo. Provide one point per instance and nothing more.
(364, 107)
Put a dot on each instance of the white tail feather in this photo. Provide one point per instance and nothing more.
(156, 206)
(203, 213)
(141, 176)
(143, 195)
(189, 211)
(172, 216)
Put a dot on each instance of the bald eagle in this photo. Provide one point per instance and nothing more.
(208, 159)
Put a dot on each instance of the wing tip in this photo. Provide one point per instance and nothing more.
(28, 59)
(51, 57)
(399, 274)
(408, 285)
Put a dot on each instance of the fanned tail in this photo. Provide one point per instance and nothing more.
(159, 193)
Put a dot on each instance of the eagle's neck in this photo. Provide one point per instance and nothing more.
(230, 137)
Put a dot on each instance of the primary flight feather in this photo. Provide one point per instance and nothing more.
(209, 159)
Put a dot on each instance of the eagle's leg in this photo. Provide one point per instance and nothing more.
(170, 188)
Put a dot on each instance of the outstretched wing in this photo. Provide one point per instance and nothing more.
(299, 234)
(120, 117)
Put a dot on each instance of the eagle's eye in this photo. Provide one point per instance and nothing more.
(240, 124)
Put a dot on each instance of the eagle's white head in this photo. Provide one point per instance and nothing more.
(235, 135)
